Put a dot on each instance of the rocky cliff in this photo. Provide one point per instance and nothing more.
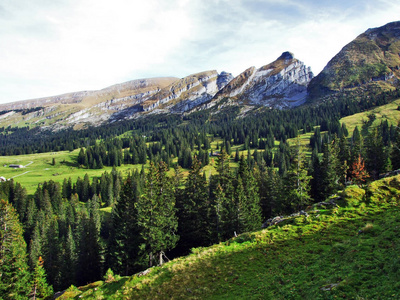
(188, 92)
(282, 83)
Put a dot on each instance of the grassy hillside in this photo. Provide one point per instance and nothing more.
(350, 251)
(39, 168)
(387, 112)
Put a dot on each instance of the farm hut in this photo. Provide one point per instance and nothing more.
(16, 166)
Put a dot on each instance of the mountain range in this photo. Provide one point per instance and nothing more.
(371, 61)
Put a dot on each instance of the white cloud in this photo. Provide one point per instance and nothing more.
(50, 47)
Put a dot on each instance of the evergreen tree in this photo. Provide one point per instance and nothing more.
(69, 262)
(89, 250)
(52, 252)
(156, 213)
(248, 199)
(356, 147)
(297, 182)
(15, 278)
(224, 199)
(395, 153)
(330, 170)
(40, 288)
(270, 188)
(123, 254)
(194, 226)
(377, 154)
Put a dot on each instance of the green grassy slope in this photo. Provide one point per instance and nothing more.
(38, 168)
(388, 112)
(351, 252)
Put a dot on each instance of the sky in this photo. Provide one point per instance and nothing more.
(51, 47)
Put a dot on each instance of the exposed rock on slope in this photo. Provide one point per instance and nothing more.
(280, 84)
(87, 107)
(372, 58)
(188, 92)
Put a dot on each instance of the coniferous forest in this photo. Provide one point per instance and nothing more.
(172, 206)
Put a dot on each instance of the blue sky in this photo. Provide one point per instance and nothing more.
(50, 47)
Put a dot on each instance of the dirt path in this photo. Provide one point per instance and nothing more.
(28, 164)
(20, 174)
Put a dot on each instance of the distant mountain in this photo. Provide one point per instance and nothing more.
(371, 60)
(369, 64)
(280, 84)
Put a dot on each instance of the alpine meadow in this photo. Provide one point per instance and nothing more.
(274, 184)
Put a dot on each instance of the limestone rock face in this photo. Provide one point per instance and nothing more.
(188, 92)
(280, 84)
(223, 79)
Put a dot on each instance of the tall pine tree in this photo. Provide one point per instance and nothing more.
(156, 213)
(14, 275)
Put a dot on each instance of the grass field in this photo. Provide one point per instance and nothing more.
(387, 112)
(38, 168)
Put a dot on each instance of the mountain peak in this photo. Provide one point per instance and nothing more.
(286, 55)
(372, 59)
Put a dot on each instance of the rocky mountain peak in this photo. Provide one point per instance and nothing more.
(286, 56)
(282, 83)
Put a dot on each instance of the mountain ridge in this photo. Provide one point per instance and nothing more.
(370, 62)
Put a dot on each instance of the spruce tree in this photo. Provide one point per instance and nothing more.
(248, 199)
(123, 250)
(297, 182)
(224, 199)
(52, 252)
(330, 170)
(40, 288)
(194, 226)
(15, 278)
(156, 213)
(69, 262)
(89, 253)
(377, 154)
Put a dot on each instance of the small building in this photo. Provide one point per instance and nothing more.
(16, 166)
(2, 179)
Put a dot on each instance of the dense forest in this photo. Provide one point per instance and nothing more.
(155, 216)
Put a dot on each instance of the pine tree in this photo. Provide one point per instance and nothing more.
(270, 188)
(40, 288)
(89, 249)
(330, 170)
(248, 199)
(15, 278)
(297, 182)
(156, 213)
(395, 153)
(194, 226)
(123, 250)
(377, 155)
(52, 252)
(224, 199)
(69, 262)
